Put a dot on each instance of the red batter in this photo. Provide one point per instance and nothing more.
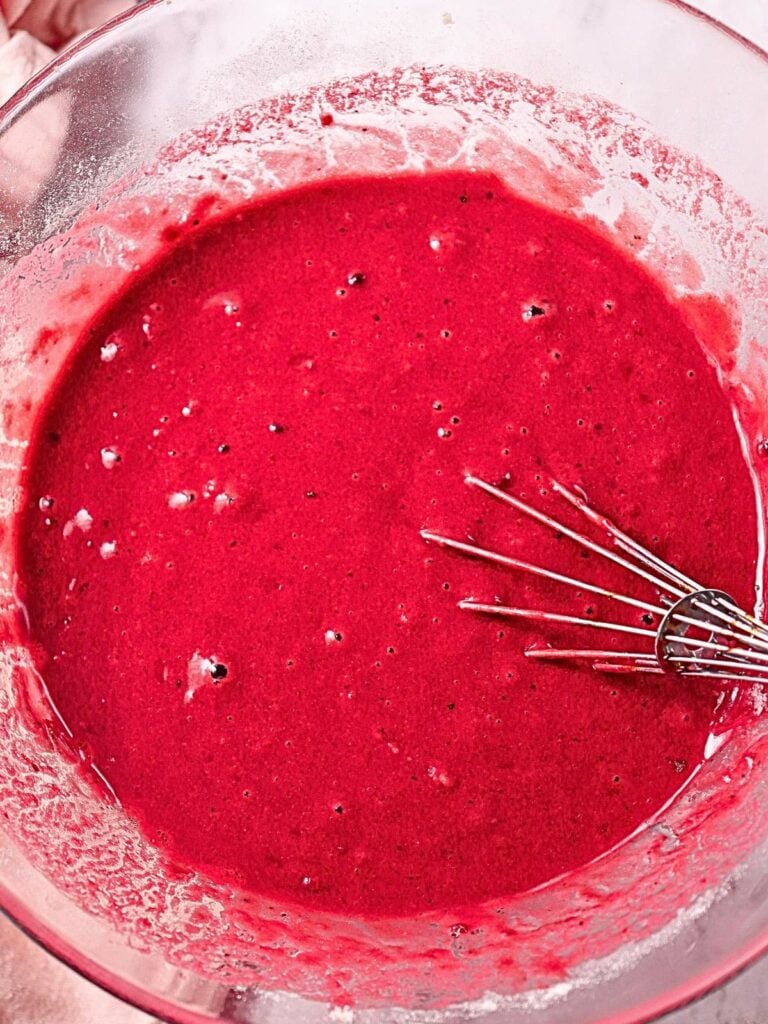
(221, 557)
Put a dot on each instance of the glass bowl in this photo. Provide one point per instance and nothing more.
(644, 118)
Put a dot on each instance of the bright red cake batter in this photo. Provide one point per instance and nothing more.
(221, 559)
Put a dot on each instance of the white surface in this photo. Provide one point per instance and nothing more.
(749, 17)
(55, 995)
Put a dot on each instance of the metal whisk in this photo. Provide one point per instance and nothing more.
(702, 631)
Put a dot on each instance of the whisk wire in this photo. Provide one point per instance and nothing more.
(560, 528)
(536, 570)
(628, 544)
(702, 632)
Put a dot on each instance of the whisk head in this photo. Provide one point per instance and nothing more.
(702, 631)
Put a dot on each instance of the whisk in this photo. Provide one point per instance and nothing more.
(702, 631)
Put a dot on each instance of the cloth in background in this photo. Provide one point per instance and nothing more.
(31, 31)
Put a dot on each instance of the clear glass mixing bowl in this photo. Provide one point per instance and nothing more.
(645, 117)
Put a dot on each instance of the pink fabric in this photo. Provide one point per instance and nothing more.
(55, 22)
(21, 54)
(30, 31)
(28, 150)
